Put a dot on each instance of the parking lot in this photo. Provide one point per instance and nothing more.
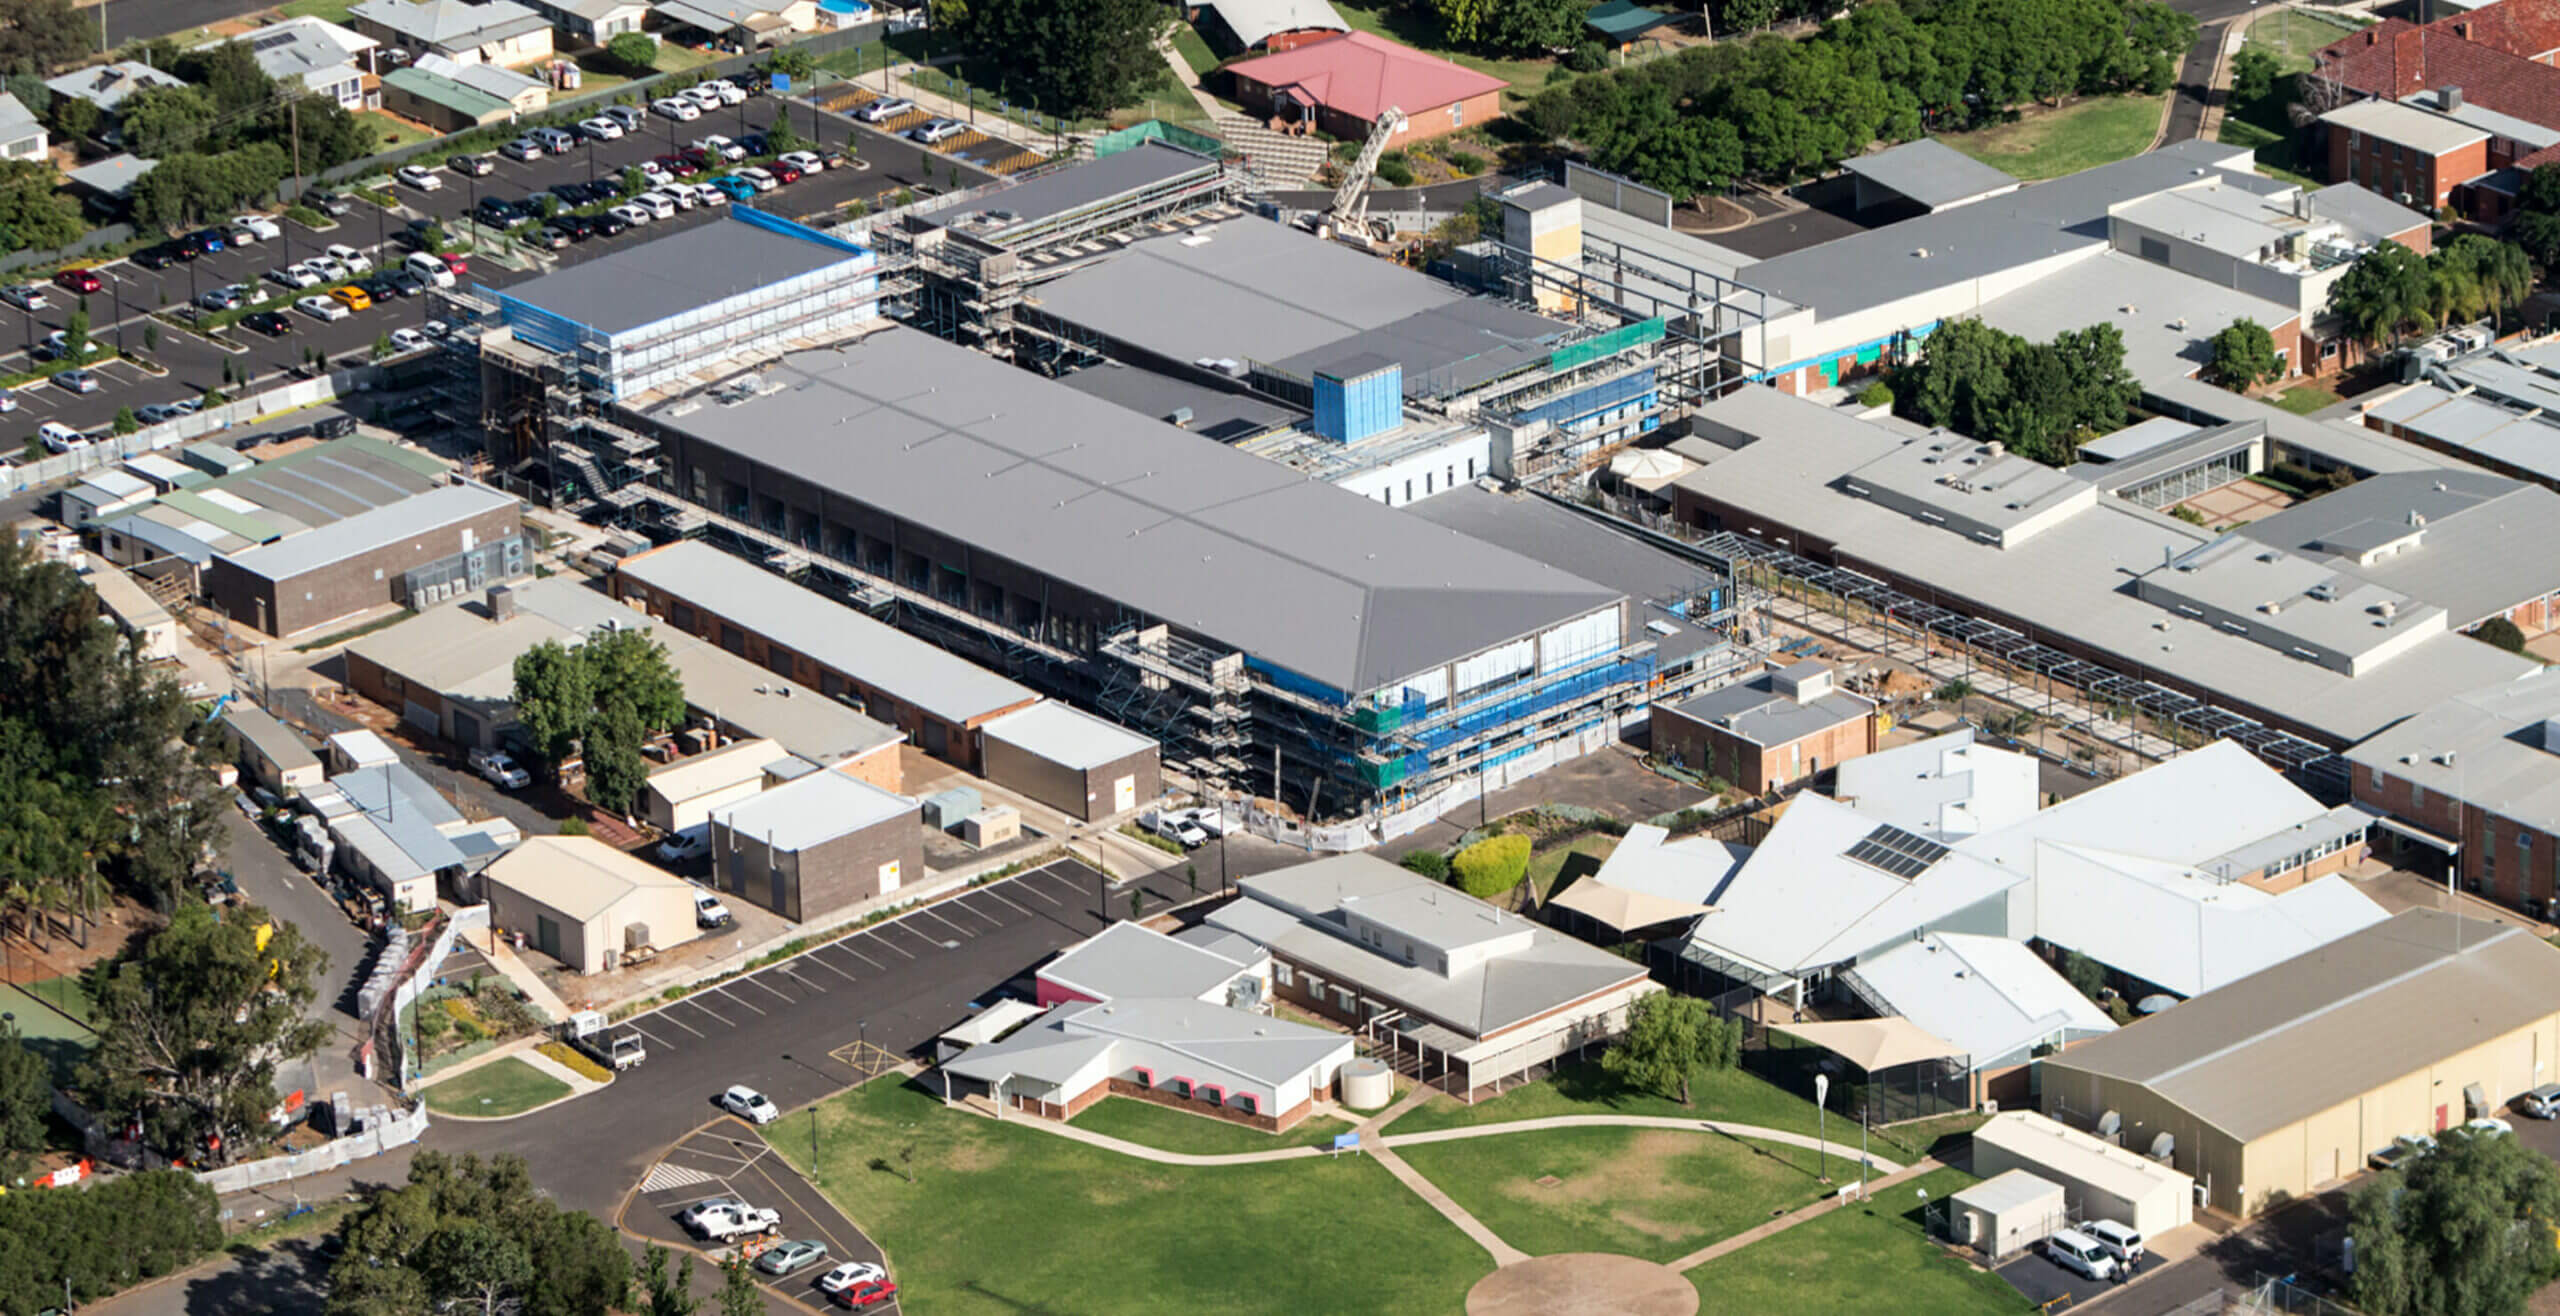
(120, 310)
(726, 1159)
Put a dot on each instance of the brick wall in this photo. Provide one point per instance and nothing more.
(1266, 1121)
(343, 588)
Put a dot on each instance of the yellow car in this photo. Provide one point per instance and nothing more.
(353, 297)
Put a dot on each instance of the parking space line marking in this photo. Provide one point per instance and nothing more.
(706, 1010)
(885, 943)
(992, 895)
(821, 962)
(728, 997)
(972, 911)
(1026, 886)
(662, 1014)
(758, 980)
(654, 1038)
(862, 957)
(945, 922)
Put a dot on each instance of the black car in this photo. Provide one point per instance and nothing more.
(379, 287)
(271, 323)
(570, 194)
(498, 211)
(407, 283)
(578, 227)
(755, 144)
(610, 224)
(156, 258)
(327, 203)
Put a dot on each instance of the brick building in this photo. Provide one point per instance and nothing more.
(460, 536)
(2407, 154)
(815, 845)
(2491, 70)
(2474, 784)
(1342, 85)
(1769, 730)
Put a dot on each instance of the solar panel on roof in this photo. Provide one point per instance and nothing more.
(274, 39)
(1906, 855)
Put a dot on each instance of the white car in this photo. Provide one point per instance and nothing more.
(418, 177)
(295, 276)
(601, 128)
(24, 296)
(1175, 828)
(729, 92)
(239, 235)
(60, 438)
(706, 195)
(266, 229)
(2489, 1126)
(350, 259)
(715, 144)
(750, 1105)
(693, 1216)
(703, 95)
(691, 843)
(849, 1274)
(327, 267)
(807, 162)
(1211, 822)
(708, 912)
(676, 108)
(410, 340)
(654, 174)
(496, 766)
(322, 308)
(631, 214)
(758, 179)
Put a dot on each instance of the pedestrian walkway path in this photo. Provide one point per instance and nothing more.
(1796, 1217)
(1754, 1132)
(1503, 1253)
(503, 958)
(579, 1084)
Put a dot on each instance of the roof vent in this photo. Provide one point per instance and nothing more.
(2445, 759)
(1921, 253)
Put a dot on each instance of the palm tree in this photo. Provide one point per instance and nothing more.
(88, 895)
(50, 897)
(2506, 275)
(2453, 289)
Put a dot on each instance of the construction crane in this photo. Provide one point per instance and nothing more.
(1350, 206)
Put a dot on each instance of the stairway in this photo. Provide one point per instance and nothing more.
(1278, 159)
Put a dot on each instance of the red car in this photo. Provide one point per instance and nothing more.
(83, 280)
(868, 1295)
(460, 265)
(678, 165)
(783, 173)
(695, 156)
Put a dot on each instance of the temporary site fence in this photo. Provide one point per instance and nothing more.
(209, 422)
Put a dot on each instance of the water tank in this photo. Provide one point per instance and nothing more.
(1367, 1084)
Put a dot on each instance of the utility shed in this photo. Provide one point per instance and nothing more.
(2007, 1213)
(1924, 176)
(2284, 1081)
(1077, 764)
(815, 845)
(2100, 1180)
(274, 754)
(682, 794)
(586, 904)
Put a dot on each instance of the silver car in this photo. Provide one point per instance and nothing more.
(2542, 1103)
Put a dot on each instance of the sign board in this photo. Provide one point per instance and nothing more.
(1343, 1142)
(782, 82)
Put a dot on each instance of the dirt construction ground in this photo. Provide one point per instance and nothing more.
(1583, 1281)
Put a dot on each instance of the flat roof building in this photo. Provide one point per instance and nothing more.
(1768, 730)
(816, 844)
(2475, 780)
(2283, 1082)
(587, 905)
(1925, 175)
(275, 755)
(391, 830)
(1073, 762)
(2101, 1180)
(418, 551)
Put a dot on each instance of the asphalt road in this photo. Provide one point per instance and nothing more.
(2195, 84)
(127, 20)
(119, 312)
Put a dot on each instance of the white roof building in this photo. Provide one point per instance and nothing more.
(1991, 997)
(1945, 787)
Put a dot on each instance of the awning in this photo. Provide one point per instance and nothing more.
(2418, 834)
(1620, 909)
(1873, 1044)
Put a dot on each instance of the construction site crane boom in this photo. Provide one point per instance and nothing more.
(1351, 200)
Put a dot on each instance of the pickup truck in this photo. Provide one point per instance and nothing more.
(728, 1224)
(1175, 828)
(615, 1049)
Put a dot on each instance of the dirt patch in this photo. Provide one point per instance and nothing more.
(972, 1155)
(1635, 1171)
(1125, 1187)
(1721, 213)
(1583, 1281)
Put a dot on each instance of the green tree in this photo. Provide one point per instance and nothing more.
(633, 671)
(34, 214)
(26, 1102)
(2253, 75)
(75, 334)
(2540, 193)
(36, 36)
(193, 1024)
(1491, 866)
(2473, 275)
(90, 1242)
(1067, 57)
(555, 698)
(667, 1292)
(467, 1235)
(1137, 904)
(793, 62)
(2500, 632)
(633, 52)
(1668, 1040)
(1510, 26)
(616, 770)
(739, 1295)
(1430, 863)
(126, 422)
(2465, 1230)
(2086, 976)
(74, 117)
(2244, 353)
(160, 121)
(2384, 293)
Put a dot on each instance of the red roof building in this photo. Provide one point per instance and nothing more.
(1341, 85)
(2396, 59)
(2479, 59)
(2526, 28)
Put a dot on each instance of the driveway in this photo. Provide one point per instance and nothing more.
(726, 1158)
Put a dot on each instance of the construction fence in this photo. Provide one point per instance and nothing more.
(211, 421)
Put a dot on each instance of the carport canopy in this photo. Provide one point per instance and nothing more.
(1621, 910)
(2419, 834)
(1874, 1044)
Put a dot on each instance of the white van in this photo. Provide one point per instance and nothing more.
(2076, 1251)
(430, 267)
(2122, 1242)
(60, 438)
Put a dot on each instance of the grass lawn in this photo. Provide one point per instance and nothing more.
(1171, 1130)
(501, 1087)
(1418, 27)
(1859, 1258)
(1731, 1095)
(389, 132)
(1545, 865)
(1194, 51)
(2303, 399)
(980, 1229)
(1654, 1193)
(2263, 126)
(673, 58)
(2051, 143)
(333, 10)
(2291, 35)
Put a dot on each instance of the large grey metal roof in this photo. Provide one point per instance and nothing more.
(936, 680)
(1215, 413)
(1444, 350)
(366, 531)
(1244, 288)
(1757, 711)
(669, 276)
(2487, 747)
(1130, 959)
(2488, 542)
(2333, 1024)
(1255, 21)
(1930, 172)
(1145, 165)
(1304, 575)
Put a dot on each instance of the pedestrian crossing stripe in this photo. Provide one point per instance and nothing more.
(664, 1177)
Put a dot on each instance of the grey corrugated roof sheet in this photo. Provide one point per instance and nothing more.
(1254, 1047)
(1065, 736)
(2326, 1027)
(1257, 21)
(446, 22)
(666, 277)
(1930, 172)
(1216, 414)
(365, 531)
(814, 809)
(1757, 711)
(2489, 542)
(936, 680)
(279, 743)
(1146, 165)
(2494, 739)
(1304, 575)
(1443, 349)
(1131, 960)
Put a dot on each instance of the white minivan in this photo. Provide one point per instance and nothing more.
(2076, 1251)
(2122, 1242)
(430, 267)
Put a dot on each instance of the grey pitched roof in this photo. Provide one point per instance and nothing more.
(1930, 172)
(1757, 711)
(1054, 193)
(936, 680)
(2500, 759)
(666, 277)
(16, 120)
(1255, 1047)
(2488, 541)
(451, 22)
(365, 531)
(1216, 414)
(1303, 575)
(2326, 1027)
(1257, 21)
(1130, 960)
